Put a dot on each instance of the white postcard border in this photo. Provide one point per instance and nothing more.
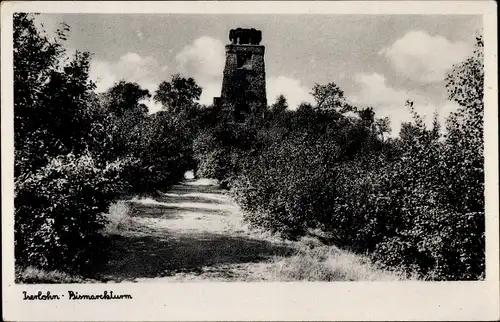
(263, 301)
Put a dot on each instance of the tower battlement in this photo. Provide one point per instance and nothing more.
(245, 36)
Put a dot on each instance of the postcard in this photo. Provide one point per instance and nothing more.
(258, 160)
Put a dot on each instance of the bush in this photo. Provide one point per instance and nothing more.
(396, 212)
(158, 147)
(58, 213)
(282, 190)
(415, 202)
(441, 244)
(165, 154)
(76, 151)
(401, 211)
(222, 150)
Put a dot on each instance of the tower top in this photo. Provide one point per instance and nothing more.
(245, 36)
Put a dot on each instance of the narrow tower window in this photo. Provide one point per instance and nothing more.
(244, 60)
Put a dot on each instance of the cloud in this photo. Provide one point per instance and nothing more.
(291, 88)
(204, 60)
(204, 56)
(424, 58)
(390, 102)
(130, 67)
(375, 91)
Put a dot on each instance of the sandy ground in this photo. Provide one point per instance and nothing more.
(193, 232)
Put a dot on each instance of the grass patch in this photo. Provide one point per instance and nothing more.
(118, 218)
(317, 262)
(31, 275)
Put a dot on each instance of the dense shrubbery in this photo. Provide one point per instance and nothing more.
(58, 193)
(77, 151)
(304, 181)
(58, 212)
(158, 145)
(415, 202)
(222, 146)
(164, 157)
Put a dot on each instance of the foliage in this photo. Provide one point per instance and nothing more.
(464, 151)
(125, 98)
(51, 97)
(165, 154)
(445, 237)
(280, 105)
(178, 98)
(123, 116)
(221, 149)
(59, 191)
(178, 94)
(382, 127)
(330, 97)
(76, 151)
(413, 203)
(159, 145)
(59, 213)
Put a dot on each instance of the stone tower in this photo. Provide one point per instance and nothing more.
(244, 80)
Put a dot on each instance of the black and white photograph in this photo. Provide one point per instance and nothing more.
(178, 148)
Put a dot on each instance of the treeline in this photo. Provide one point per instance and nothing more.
(415, 202)
(77, 151)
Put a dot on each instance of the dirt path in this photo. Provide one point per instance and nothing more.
(193, 232)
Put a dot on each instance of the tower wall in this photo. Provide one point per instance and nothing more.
(244, 78)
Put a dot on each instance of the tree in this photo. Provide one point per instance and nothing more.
(280, 105)
(305, 107)
(125, 118)
(465, 83)
(382, 126)
(179, 94)
(465, 134)
(125, 98)
(408, 131)
(51, 96)
(367, 116)
(436, 126)
(60, 192)
(329, 97)
(417, 134)
(181, 112)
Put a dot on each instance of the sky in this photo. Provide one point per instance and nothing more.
(377, 60)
